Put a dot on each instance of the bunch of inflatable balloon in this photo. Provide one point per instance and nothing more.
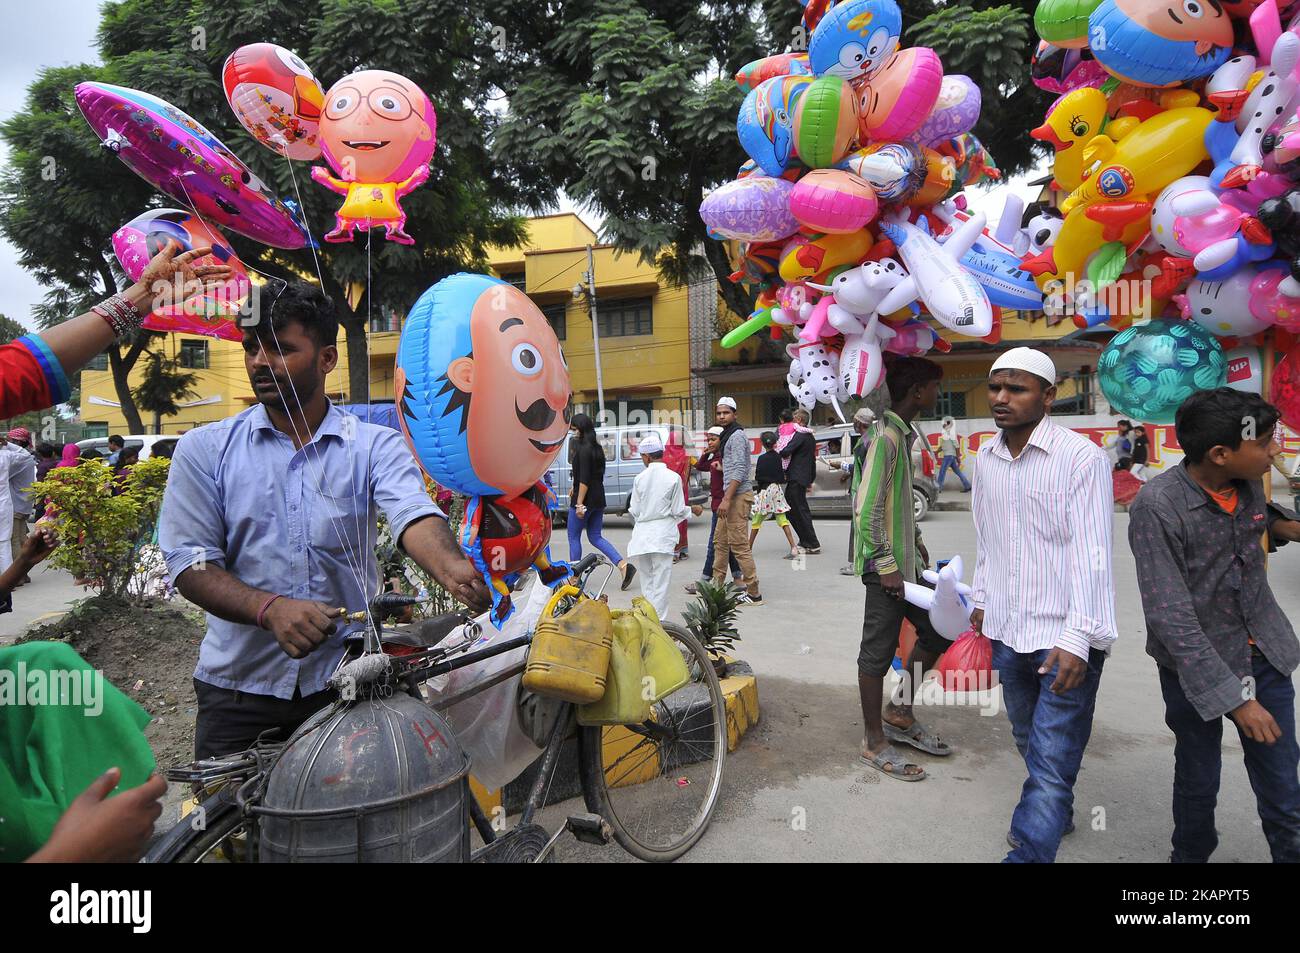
(375, 129)
(849, 209)
(1177, 150)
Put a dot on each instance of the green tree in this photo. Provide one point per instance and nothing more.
(10, 330)
(175, 49)
(992, 45)
(162, 384)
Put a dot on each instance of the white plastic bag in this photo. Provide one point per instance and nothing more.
(487, 723)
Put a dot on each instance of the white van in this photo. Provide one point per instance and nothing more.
(147, 443)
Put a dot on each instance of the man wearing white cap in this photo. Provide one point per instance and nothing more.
(1042, 588)
(656, 507)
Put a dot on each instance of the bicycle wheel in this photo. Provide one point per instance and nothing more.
(184, 844)
(657, 782)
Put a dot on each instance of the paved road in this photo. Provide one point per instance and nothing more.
(794, 790)
(50, 591)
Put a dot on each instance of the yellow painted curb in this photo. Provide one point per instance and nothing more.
(741, 693)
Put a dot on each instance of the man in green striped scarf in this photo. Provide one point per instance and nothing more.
(889, 551)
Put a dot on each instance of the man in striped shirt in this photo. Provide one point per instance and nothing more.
(889, 552)
(1042, 588)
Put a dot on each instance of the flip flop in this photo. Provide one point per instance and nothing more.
(890, 756)
(919, 738)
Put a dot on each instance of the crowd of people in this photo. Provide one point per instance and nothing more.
(265, 514)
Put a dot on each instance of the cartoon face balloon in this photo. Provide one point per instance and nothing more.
(212, 313)
(275, 97)
(377, 133)
(1161, 42)
(855, 38)
(482, 385)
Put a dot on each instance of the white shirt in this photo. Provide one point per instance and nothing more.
(657, 505)
(1043, 532)
(21, 469)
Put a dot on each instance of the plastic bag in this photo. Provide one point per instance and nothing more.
(967, 666)
(487, 723)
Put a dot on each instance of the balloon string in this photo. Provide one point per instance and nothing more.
(355, 561)
(311, 242)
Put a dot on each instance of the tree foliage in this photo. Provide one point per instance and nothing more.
(105, 536)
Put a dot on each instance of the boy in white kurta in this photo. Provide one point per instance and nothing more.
(657, 506)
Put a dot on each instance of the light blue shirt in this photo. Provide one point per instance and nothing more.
(301, 523)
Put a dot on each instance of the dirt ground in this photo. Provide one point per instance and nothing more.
(149, 653)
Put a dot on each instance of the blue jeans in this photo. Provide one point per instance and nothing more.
(950, 463)
(592, 524)
(708, 560)
(1198, 758)
(1051, 732)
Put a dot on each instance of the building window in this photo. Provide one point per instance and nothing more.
(625, 318)
(555, 317)
(194, 353)
(98, 363)
(386, 320)
(93, 429)
(951, 403)
(517, 278)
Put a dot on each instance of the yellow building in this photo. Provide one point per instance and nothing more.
(642, 323)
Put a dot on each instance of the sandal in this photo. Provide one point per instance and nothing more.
(892, 764)
(919, 738)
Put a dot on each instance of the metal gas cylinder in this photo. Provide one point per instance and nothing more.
(373, 780)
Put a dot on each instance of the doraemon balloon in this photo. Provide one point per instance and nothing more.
(483, 398)
(855, 38)
(765, 124)
(275, 97)
(377, 133)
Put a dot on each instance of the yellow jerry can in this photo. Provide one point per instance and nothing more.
(569, 657)
(623, 703)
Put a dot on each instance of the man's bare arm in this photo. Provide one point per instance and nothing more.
(429, 542)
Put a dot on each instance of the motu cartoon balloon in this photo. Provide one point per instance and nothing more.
(212, 313)
(275, 97)
(899, 97)
(855, 38)
(1160, 42)
(182, 159)
(755, 208)
(377, 133)
(483, 398)
(1148, 370)
(832, 200)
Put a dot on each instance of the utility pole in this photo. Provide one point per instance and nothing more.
(595, 335)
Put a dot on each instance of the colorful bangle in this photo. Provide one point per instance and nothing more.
(261, 613)
(121, 315)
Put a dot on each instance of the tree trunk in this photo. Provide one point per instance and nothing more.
(121, 365)
(358, 348)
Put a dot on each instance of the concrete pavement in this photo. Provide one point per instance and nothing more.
(795, 791)
(49, 593)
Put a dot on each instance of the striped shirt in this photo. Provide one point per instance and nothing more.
(887, 533)
(1043, 532)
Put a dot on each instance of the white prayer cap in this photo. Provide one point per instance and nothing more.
(727, 402)
(1026, 359)
(650, 443)
(715, 431)
(864, 415)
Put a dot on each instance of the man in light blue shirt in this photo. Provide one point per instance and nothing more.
(269, 523)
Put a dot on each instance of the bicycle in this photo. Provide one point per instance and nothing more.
(651, 787)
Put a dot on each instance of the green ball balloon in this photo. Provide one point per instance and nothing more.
(1148, 370)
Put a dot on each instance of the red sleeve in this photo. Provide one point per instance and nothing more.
(31, 377)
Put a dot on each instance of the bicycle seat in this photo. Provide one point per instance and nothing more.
(426, 633)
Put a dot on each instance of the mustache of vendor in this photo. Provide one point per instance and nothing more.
(539, 415)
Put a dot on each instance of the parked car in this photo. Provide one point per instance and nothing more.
(830, 493)
(622, 464)
(148, 444)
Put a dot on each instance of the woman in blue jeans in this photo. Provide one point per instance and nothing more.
(587, 495)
